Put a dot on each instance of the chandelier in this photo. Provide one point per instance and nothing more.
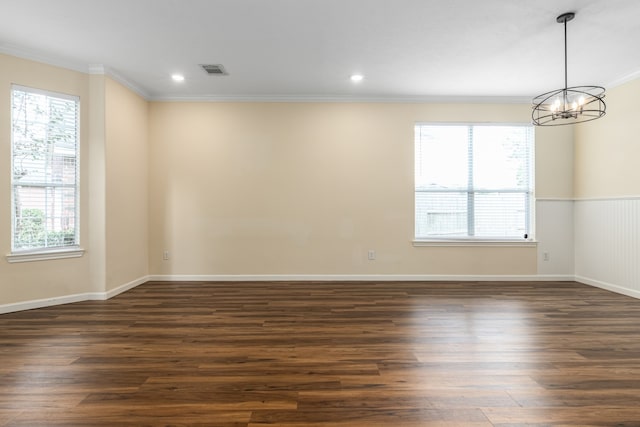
(569, 105)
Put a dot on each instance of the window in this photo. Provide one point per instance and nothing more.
(473, 181)
(44, 154)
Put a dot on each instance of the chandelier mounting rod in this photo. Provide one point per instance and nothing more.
(563, 19)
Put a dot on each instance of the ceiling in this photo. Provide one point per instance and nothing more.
(307, 49)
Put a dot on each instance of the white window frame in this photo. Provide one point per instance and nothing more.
(53, 251)
(484, 241)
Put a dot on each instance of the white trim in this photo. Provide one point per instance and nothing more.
(99, 69)
(45, 302)
(44, 58)
(75, 252)
(123, 288)
(356, 278)
(608, 286)
(585, 199)
(605, 199)
(553, 278)
(347, 99)
(47, 59)
(475, 243)
(67, 299)
(624, 79)
(128, 84)
(555, 199)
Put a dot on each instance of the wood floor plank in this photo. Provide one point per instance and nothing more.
(7, 415)
(292, 354)
(193, 415)
(366, 416)
(564, 416)
(406, 399)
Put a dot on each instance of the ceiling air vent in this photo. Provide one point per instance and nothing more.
(214, 69)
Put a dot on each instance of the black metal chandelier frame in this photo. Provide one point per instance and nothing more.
(568, 105)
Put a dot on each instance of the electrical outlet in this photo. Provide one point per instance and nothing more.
(371, 255)
(165, 255)
(545, 256)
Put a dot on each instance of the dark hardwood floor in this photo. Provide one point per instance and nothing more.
(327, 354)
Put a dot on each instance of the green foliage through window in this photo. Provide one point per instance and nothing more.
(44, 143)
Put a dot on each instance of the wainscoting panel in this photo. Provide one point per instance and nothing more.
(554, 233)
(607, 244)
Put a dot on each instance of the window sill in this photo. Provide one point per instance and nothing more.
(475, 243)
(44, 255)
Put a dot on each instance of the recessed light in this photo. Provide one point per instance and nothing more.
(177, 77)
(357, 78)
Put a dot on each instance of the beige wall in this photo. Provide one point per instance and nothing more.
(277, 189)
(554, 162)
(95, 162)
(113, 188)
(608, 149)
(250, 188)
(43, 279)
(126, 185)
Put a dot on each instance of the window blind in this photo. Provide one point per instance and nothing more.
(473, 181)
(44, 142)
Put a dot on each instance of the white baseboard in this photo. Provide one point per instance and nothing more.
(120, 289)
(608, 286)
(358, 278)
(45, 302)
(67, 299)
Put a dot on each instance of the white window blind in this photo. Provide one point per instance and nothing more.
(44, 143)
(473, 181)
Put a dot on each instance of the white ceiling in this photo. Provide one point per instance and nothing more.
(307, 49)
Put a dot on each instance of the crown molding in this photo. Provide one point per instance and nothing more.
(92, 69)
(40, 56)
(348, 99)
(99, 69)
(624, 79)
